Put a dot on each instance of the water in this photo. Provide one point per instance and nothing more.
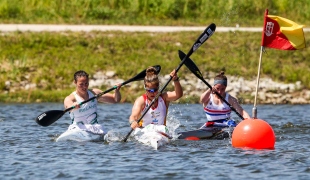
(29, 151)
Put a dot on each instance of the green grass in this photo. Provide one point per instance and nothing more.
(49, 60)
(151, 12)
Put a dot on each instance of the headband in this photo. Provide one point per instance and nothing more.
(220, 81)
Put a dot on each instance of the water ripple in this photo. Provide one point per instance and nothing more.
(29, 151)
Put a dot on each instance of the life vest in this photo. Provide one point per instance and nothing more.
(154, 115)
(87, 113)
(217, 111)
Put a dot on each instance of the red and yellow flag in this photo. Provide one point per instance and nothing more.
(282, 33)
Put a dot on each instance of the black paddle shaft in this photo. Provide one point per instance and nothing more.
(194, 69)
(138, 77)
(202, 38)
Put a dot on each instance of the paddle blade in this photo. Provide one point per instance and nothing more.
(142, 75)
(49, 117)
(158, 68)
(206, 34)
(203, 37)
(190, 65)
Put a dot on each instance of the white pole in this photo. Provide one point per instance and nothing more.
(254, 110)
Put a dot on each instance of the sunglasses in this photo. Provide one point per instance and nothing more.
(151, 90)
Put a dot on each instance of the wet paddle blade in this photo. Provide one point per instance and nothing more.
(142, 75)
(49, 117)
(190, 65)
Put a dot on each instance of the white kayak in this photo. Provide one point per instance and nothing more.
(152, 135)
(80, 136)
(83, 132)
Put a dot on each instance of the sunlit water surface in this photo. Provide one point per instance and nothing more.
(29, 151)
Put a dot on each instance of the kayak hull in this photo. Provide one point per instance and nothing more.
(206, 133)
(80, 136)
(152, 135)
(158, 140)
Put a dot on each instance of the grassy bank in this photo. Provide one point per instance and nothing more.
(151, 12)
(50, 59)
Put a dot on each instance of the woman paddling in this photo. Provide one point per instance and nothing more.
(156, 115)
(217, 111)
(84, 117)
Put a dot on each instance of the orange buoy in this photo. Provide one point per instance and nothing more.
(253, 133)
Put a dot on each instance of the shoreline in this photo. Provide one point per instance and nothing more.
(269, 91)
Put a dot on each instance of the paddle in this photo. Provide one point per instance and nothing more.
(202, 38)
(49, 117)
(194, 69)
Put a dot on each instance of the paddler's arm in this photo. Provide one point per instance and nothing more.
(234, 102)
(109, 97)
(136, 112)
(117, 93)
(178, 90)
(70, 102)
(205, 97)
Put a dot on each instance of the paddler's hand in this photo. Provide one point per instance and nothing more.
(117, 94)
(174, 75)
(118, 87)
(76, 105)
(213, 90)
(133, 124)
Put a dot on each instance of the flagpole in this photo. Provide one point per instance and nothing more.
(254, 110)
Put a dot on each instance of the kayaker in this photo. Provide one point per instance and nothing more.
(157, 113)
(85, 116)
(217, 111)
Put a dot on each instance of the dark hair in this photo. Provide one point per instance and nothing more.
(78, 74)
(151, 76)
(220, 79)
(220, 76)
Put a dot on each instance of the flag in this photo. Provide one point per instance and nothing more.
(282, 33)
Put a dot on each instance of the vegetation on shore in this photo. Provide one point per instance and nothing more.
(49, 59)
(151, 12)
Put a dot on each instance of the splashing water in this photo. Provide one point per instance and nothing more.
(113, 136)
(172, 122)
(226, 19)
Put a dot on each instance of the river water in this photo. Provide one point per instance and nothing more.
(29, 151)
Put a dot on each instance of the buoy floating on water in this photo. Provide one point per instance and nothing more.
(253, 133)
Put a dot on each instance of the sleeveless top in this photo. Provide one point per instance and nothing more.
(87, 113)
(217, 112)
(155, 116)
